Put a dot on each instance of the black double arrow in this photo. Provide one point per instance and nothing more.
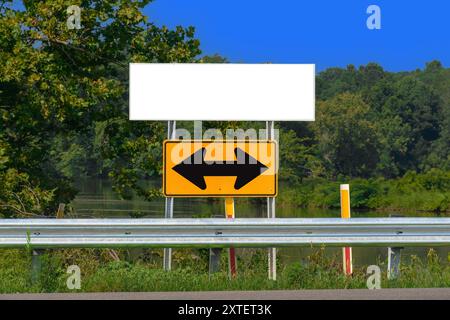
(194, 168)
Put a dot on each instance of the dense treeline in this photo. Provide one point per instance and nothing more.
(64, 109)
(370, 122)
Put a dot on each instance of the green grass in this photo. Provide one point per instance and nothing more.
(142, 272)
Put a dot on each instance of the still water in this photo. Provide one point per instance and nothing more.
(97, 200)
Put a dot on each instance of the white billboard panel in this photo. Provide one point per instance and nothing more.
(198, 91)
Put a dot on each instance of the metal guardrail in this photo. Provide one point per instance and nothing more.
(92, 233)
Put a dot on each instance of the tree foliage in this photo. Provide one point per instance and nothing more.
(58, 85)
(347, 140)
(64, 108)
(409, 112)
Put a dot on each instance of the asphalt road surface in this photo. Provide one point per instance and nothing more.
(353, 294)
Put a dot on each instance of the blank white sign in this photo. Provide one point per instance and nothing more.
(198, 91)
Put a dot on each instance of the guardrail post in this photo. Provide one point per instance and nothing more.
(36, 254)
(214, 257)
(229, 211)
(345, 214)
(394, 258)
(214, 260)
(36, 265)
(272, 252)
(167, 260)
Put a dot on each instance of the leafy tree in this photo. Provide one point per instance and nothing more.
(334, 81)
(436, 76)
(64, 108)
(347, 141)
(417, 106)
(297, 158)
(411, 111)
(55, 81)
(215, 58)
(17, 196)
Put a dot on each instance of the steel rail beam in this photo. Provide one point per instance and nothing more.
(215, 233)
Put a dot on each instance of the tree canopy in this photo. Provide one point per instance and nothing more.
(64, 108)
(64, 92)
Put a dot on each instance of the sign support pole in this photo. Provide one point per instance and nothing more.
(168, 214)
(272, 254)
(229, 211)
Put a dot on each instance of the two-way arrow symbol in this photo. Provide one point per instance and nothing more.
(245, 168)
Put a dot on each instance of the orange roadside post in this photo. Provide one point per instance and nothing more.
(345, 214)
(229, 211)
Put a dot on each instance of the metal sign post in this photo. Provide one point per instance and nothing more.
(251, 91)
(272, 255)
(167, 262)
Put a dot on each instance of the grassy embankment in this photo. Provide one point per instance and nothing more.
(413, 192)
(139, 273)
(140, 270)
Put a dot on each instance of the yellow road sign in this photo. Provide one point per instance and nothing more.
(194, 168)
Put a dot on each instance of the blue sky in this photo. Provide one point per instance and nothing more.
(327, 33)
